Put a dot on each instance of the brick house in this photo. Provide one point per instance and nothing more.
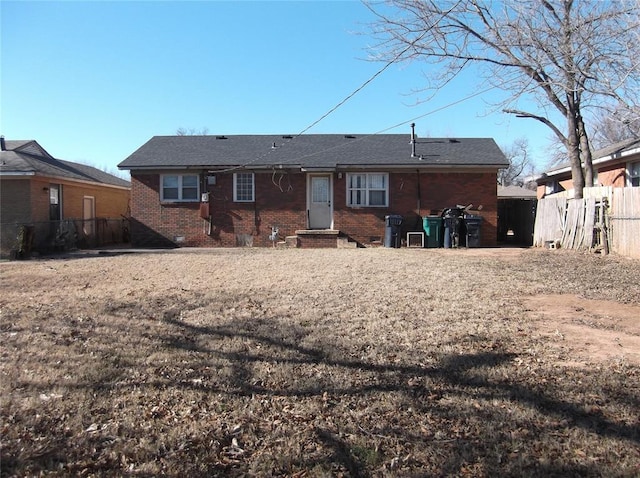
(617, 165)
(315, 190)
(45, 194)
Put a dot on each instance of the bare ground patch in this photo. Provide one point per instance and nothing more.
(589, 330)
(314, 363)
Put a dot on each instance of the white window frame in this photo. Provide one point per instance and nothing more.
(236, 189)
(630, 176)
(181, 188)
(367, 190)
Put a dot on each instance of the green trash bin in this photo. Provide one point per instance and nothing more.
(432, 226)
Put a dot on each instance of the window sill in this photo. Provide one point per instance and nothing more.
(166, 202)
(367, 207)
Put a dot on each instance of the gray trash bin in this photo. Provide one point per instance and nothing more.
(393, 224)
(451, 218)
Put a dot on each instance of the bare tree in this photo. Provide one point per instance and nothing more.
(563, 56)
(192, 132)
(520, 164)
(613, 127)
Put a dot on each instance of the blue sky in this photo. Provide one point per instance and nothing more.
(93, 81)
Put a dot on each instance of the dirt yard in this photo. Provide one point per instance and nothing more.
(321, 363)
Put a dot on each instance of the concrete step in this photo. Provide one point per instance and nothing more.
(345, 243)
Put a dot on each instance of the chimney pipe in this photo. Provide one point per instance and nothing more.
(3, 146)
(413, 140)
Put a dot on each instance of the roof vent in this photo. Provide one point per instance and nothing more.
(221, 137)
(349, 136)
(287, 136)
(413, 140)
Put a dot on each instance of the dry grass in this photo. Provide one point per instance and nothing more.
(262, 362)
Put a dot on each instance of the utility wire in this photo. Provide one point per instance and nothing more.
(351, 95)
(365, 136)
(347, 98)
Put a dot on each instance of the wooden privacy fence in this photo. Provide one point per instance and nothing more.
(611, 222)
(625, 221)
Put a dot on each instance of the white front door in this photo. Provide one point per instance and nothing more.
(319, 201)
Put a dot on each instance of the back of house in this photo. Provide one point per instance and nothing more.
(315, 190)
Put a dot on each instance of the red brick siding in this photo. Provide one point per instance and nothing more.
(437, 192)
(317, 242)
(608, 175)
(281, 201)
(615, 176)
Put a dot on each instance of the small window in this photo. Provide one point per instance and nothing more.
(368, 190)
(634, 174)
(243, 187)
(553, 187)
(180, 187)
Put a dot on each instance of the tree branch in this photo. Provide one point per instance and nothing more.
(542, 119)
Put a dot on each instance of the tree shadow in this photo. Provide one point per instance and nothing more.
(456, 370)
(465, 376)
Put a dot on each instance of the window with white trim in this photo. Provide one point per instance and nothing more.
(243, 187)
(367, 189)
(634, 174)
(179, 187)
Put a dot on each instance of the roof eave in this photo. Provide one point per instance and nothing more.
(617, 156)
(17, 173)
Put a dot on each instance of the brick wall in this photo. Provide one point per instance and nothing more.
(608, 175)
(433, 192)
(281, 201)
(615, 176)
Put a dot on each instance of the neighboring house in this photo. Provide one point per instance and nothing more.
(617, 165)
(46, 194)
(308, 189)
(516, 215)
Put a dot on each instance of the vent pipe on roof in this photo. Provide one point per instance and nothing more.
(3, 146)
(413, 140)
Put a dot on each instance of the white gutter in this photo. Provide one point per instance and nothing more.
(16, 173)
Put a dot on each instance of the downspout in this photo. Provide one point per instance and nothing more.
(419, 220)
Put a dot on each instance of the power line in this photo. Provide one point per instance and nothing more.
(365, 136)
(347, 98)
(353, 93)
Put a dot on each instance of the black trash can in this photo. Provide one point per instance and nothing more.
(473, 224)
(392, 238)
(451, 217)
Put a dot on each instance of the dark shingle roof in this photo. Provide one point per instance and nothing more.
(28, 157)
(312, 151)
(611, 152)
(617, 148)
